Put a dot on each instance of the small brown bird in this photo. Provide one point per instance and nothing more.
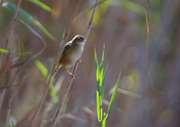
(72, 52)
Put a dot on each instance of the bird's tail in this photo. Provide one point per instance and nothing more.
(56, 70)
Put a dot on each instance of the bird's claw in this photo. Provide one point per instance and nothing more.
(72, 75)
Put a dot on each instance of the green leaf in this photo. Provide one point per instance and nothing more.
(29, 18)
(96, 65)
(104, 120)
(9, 52)
(112, 98)
(99, 104)
(103, 85)
(43, 6)
(42, 68)
(98, 92)
(101, 66)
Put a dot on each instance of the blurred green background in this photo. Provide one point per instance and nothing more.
(121, 26)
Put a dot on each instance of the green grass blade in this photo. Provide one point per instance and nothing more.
(99, 104)
(9, 52)
(103, 85)
(42, 68)
(98, 92)
(43, 6)
(29, 18)
(104, 120)
(96, 65)
(112, 98)
(102, 66)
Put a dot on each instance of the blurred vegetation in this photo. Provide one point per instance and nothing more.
(121, 26)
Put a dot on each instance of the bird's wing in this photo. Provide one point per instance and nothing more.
(65, 50)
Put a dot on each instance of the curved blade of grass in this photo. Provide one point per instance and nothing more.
(43, 6)
(10, 52)
(29, 18)
(112, 98)
(42, 68)
(98, 92)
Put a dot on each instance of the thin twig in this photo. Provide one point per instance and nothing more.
(68, 86)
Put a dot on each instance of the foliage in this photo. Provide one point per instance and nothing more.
(101, 82)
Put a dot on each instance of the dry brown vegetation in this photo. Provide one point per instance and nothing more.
(28, 97)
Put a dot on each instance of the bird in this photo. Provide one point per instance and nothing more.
(72, 52)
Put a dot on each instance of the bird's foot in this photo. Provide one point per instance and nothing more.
(72, 75)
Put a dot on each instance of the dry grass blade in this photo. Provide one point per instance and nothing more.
(68, 86)
(15, 77)
(4, 79)
(37, 35)
(11, 29)
(12, 24)
(147, 25)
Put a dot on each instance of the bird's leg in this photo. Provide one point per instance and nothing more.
(71, 74)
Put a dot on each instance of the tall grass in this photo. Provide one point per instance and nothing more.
(101, 82)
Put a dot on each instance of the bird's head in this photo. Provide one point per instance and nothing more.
(78, 39)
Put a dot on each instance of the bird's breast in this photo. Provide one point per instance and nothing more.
(77, 54)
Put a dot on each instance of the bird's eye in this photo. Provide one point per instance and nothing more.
(81, 39)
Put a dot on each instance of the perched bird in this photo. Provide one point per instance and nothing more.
(72, 52)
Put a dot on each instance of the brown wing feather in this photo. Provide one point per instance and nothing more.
(65, 51)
